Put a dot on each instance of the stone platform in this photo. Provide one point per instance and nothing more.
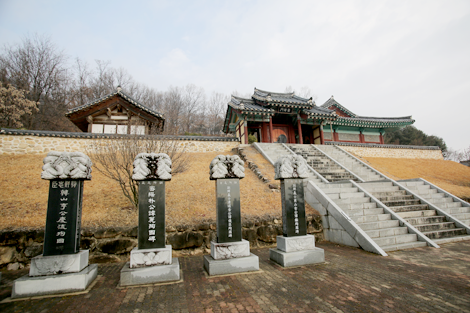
(296, 251)
(150, 274)
(28, 286)
(231, 266)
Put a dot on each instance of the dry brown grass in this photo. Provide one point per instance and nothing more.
(190, 196)
(448, 175)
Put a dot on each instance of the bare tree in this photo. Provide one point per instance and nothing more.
(114, 158)
(193, 99)
(37, 66)
(216, 112)
(13, 106)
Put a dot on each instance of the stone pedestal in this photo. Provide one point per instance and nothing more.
(150, 274)
(231, 266)
(230, 258)
(28, 286)
(150, 266)
(296, 251)
(150, 257)
(230, 250)
(58, 264)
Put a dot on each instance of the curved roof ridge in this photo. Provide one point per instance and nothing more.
(389, 118)
(123, 95)
(275, 93)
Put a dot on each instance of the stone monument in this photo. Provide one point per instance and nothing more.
(295, 247)
(230, 254)
(62, 267)
(151, 261)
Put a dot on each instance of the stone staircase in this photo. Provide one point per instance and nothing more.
(377, 224)
(373, 219)
(350, 162)
(275, 150)
(440, 200)
(322, 164)
(419, 215)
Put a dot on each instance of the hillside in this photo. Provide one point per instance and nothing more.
(448, 175)
(190, 196)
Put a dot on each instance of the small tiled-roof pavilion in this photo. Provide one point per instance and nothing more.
(117, 113)
(285, 117)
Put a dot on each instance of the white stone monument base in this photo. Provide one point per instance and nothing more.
(230, 250)
(297, 258)
(28, 286)
(296, 251)
(150, 257)
(58, 264)
(231, 266)
(150, 274)
(296, 243)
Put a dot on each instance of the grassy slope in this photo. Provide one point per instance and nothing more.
(190, 196)
(448, 175)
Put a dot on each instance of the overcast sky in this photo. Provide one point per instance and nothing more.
(378, 58)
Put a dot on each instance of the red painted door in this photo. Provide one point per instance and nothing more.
(280, 134)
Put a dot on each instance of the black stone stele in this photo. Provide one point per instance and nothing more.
(151, 214)
(229, 227)
(293, 208)
(64, 210)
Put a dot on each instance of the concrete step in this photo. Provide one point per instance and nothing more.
(355, 206)
(445, 233)
(395, 193)
(387, 232)
(404, 246)
(370, 218)
(426, 220)
(346, 195)
(363, 211)
(342, 185)
(411, 183)
(441, 200)
(382, 189)
(387, 241)
(435, 226)
(441, 241)
(352, 200)
(413, 214)
(392, 198)
(410, 208)
(378, 184)
(379, 225)
(341, 190)
(423, 192)
(399, 203)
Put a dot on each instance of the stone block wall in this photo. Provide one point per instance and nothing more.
(390, 152)
(17, 247)
(22, 144)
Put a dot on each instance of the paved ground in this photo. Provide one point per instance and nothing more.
(351, 280)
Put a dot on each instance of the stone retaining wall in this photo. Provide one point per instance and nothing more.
(387, 152)
(17, 247)
(35, 142)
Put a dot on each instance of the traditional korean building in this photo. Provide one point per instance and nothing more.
(285, 117)
(116, 113)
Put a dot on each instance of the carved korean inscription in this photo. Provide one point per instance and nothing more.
(62, 234)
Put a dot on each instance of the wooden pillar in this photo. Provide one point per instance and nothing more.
(335, 136)
(246, 131)
(299, 129)
(322, 139)
(361, 137)
(381, 139)
(271, 129)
